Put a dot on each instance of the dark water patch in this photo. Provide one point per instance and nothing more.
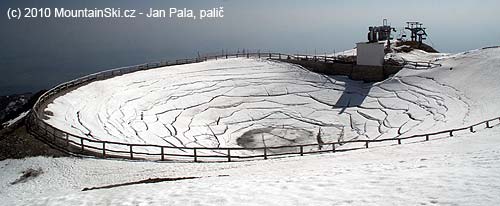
(275, 136)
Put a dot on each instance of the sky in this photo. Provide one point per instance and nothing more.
(39, 53)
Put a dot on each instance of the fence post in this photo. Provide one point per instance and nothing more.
(265, 153)
(131, 153)
(427, 137)
(248, 55)
(488, 124)
(81, 143)
(472, 129)
(67, 141)
(226, 55)
(399, 141)
(451, 133)
(279, 56)
(259, 54)
(195, 157)
(54, 134)
(228, 155)
(269, 55)
(162, 154)
(103, 149)
(333, 147)
(46, 130)
(366, 144)
(301, 150)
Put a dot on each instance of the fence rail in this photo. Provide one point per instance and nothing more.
(79, 145)
(420, 64)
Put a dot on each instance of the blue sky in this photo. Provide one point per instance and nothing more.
(38, 53)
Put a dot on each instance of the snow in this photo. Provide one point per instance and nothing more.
(12, 121)
(417, 55)
(462, 170)
(473, 73)
(249, 94)
(225, 103)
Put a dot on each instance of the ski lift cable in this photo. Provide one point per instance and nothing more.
(430, 40)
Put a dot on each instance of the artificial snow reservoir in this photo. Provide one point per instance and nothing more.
(253, 101)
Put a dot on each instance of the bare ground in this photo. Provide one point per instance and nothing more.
(16, 143)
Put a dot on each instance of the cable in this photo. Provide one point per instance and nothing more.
(432, 43)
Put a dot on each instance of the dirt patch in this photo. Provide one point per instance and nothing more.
(415, 45)
(18, 143)
(27, 175)
(148, 181)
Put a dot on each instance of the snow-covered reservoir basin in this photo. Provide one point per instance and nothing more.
(255, 102)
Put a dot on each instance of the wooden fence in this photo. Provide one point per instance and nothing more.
(78, 145)
(420, 64)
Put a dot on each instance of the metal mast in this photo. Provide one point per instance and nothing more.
(418, 33)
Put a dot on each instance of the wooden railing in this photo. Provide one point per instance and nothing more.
(141, 67)
(78, 145)
(420, 64)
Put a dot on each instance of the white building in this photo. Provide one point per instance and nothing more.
(370, 54)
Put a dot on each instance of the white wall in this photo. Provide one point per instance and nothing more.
(371, 54)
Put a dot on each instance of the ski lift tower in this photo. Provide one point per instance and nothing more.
(417, 31)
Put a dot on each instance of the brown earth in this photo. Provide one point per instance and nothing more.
(16, 143)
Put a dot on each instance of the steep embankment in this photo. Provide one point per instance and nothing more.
(15, 141)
